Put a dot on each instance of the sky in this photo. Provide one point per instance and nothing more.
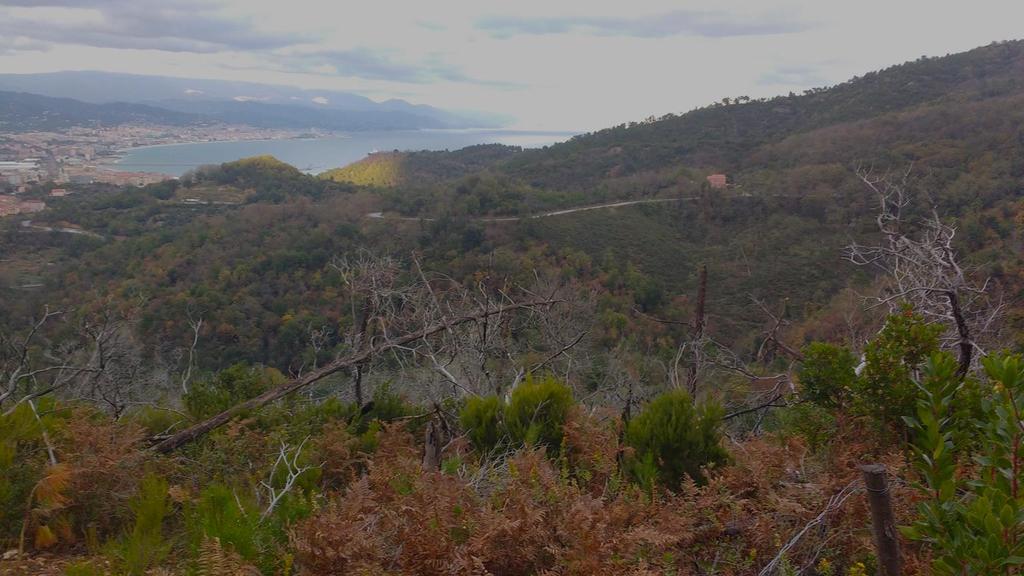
(548, 64)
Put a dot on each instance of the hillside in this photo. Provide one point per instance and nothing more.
(758, 142)
(392, 169)
(22, 112)
(255, 370)
(722, 136)
(253, 104)
(777, 233)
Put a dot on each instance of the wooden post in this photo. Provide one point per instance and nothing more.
(887, 546)
(700, 321)
(432, 446)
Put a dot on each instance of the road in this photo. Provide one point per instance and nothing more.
(28, 224)
(382, 216)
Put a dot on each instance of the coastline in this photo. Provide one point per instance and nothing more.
(334, 149)
(109, 163)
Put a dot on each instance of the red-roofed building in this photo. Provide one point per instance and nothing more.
(718, 181)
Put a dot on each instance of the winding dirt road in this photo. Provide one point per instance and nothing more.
(382, 216)
(30, 226)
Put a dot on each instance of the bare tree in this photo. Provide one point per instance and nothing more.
(288, 464)
(408, 332)
(33, 365)
(372, 297)
(196, 324)
(920, 267)
(125, 374)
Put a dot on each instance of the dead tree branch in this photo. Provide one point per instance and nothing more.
(921, 268)
(346, 362)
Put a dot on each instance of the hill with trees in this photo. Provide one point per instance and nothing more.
(244, 371)
(22, 112)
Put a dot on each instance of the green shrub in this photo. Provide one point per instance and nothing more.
(537, 412)
(229, 387)
(827, 374)
(808, 421)
(144, 546)
(886, 389)
(972, 523)
(156, 420)
(386, 406)
(232, 518)
(22, 462)
(481, 418)
(227, 515)
(672, 438)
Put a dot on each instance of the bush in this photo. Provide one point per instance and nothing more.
(537, 412)
(481, 418)
(970, 515)
(886, 389)
(144, 546)
(229, 387)
(22, 464)
(386, 406)
(220, 515)
(809, 421)
(827, 374)
(672, 438)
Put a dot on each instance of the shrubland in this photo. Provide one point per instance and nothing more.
(638, 418)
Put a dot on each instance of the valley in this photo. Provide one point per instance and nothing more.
(663, 347)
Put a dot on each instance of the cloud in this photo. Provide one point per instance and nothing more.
(170, 25)
(714, 24)
(12, 45)
(381, 65)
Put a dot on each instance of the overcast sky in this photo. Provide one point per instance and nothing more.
(551, 64)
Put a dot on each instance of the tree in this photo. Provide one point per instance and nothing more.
(923, 270)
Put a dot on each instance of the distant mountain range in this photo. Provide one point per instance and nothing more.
(23, 112)
(62, 99)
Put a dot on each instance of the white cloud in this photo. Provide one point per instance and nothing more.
(595, 64)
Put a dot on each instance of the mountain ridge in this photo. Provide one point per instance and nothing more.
(254, 104)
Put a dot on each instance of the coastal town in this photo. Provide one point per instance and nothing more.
(86, 155)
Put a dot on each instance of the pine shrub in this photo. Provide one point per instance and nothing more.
(673, 439)
(144, 546)
(537, 412)
(481, 418)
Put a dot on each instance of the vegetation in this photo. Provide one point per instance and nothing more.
(673, 440)
(973, 519)
(450, 393)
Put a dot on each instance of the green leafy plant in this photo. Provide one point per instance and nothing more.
(227, 388)
(808, 421)
(673, 439)
(827, 374)
(886, 389)
(228, 516)
(974, 522)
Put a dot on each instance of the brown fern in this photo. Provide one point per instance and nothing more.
(216, 560)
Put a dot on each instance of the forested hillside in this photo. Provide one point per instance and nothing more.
(409, 366)
(21, 112)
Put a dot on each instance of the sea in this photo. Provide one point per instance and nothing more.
(315, 155)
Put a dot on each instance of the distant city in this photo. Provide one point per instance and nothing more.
(86, 155)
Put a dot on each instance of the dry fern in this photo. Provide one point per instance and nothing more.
(215, 560)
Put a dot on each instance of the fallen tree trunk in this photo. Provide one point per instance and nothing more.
(195, 431)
